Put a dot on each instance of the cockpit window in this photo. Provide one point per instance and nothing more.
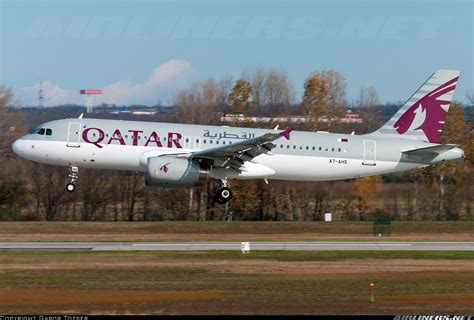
(49, 132)
(41, 131)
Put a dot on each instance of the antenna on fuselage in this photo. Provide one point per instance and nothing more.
(80, 117)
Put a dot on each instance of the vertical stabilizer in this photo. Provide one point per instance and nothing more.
(422, 117)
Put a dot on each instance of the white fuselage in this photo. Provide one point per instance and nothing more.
(307, 156)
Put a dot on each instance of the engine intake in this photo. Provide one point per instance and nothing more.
(172, 172)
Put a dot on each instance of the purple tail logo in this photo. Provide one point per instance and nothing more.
(427, 114)
(164, 168)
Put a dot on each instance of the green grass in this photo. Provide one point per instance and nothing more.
(248, 289)
(235, 227)
(273, 285)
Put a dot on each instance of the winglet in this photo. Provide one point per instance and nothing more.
(286, 133)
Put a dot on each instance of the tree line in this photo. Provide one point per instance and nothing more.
(31, 191)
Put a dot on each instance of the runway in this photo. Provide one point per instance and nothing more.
(194, 246)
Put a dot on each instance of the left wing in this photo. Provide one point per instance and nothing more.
(234, 155)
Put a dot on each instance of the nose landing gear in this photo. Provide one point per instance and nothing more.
(74, 175)
(224, 194)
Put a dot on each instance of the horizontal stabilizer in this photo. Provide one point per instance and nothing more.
(438, 149)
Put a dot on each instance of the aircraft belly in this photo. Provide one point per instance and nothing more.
(309, 168)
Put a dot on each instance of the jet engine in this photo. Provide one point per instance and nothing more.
(173, 172)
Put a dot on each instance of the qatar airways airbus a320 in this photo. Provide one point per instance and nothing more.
(176, 155)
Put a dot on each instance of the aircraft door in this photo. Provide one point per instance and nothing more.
(74, 135)
(369, 153)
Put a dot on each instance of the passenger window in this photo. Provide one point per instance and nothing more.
(294, 146)
(338, 149)
(307, 148)
(288, 146)
(41, 131)
(314, 148)
(281, 146)
(332, 149)
(320, 148)
(49, 132)
(210, 141)
(217, 142)
(204, 141)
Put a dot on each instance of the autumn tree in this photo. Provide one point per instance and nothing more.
(324, 98)
(364, 192)
(240, 97)
(453, 178)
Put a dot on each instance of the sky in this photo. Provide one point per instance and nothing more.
(144, 52)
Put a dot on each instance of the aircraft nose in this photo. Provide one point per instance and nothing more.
(18, 147)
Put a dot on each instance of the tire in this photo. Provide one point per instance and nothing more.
(219, 200)
(70, 187)
(223, 195)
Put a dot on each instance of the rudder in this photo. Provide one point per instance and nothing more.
(422, 117)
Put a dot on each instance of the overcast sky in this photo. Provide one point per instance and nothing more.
(145, 51)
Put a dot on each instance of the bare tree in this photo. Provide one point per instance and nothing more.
(201, 104)
(272, 92)
(368, 97)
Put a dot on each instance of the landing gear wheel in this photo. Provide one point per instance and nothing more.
(74, 175)
(223, 195)
(70, 187)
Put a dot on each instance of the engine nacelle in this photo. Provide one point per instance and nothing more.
(173, 172)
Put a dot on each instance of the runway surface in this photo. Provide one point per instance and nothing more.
(193, 246)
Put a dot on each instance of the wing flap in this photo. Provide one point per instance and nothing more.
(234, 155)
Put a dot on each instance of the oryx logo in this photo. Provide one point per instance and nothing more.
(164, 168)
(428, 113)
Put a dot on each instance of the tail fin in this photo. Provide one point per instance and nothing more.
(422, 117)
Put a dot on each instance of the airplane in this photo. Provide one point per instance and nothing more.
(176, 155)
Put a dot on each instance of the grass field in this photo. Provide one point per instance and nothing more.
(228, 282)
(232, 231)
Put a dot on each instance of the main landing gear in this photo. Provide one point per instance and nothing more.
(74, 175)
(224, 194)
